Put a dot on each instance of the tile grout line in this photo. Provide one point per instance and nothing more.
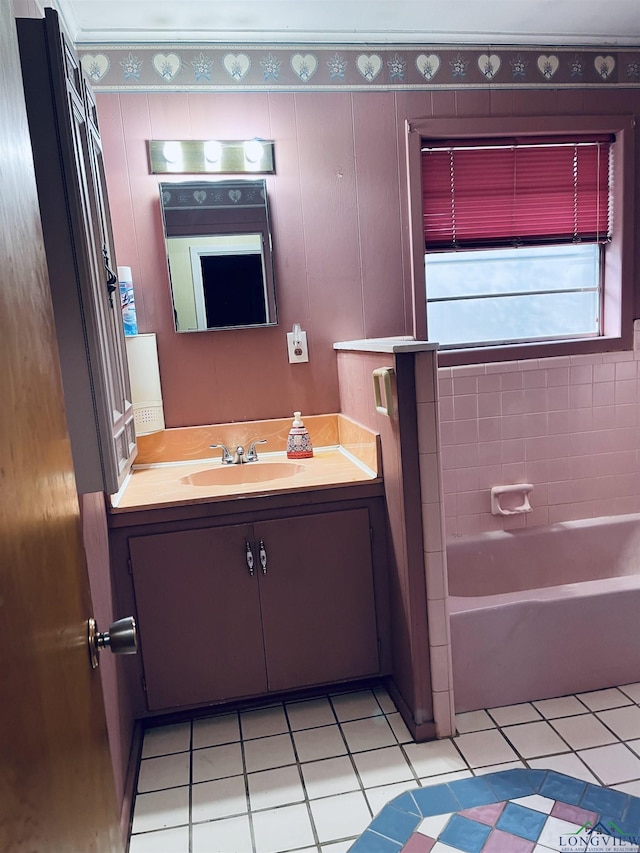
(245, 775)
(550, 755)
(307, 803)
(572, 750)
(349, 753)
(190, 801)
(576, 750)
(363, 789)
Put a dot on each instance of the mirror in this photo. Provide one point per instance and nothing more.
(218, 244)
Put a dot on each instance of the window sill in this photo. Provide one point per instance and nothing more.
(544, 349)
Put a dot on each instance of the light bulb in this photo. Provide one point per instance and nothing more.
(212, 151)
(253, 150)
(172, 151)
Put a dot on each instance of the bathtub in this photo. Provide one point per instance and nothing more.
(544, 612)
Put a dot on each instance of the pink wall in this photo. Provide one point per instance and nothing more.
(337, 242)
(338, 205)
(413, 690)
(570, 426)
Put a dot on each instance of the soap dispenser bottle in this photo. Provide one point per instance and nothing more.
(299, 444)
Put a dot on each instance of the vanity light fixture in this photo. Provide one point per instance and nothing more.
(211, 156)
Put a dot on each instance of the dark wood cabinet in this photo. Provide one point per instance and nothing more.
(270, 605)
(198, 616)
(317, 596)
(79, 247)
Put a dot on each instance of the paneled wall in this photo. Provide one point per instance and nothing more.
(338, 204)
(415, 552)
(336, 221)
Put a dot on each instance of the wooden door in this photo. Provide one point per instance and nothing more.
(56, 783)
(198, 616)
(318, 605)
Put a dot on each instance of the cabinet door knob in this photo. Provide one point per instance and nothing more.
(249, 555)
(263, 557)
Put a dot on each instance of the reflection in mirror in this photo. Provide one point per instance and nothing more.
(219, 252)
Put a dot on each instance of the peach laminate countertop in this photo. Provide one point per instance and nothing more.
(161, 485)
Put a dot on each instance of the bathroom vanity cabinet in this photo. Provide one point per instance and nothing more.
(78, 241)
(256, 603)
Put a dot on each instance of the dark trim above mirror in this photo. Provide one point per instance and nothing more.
(219, 252)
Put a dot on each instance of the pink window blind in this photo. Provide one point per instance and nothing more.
(510, 192)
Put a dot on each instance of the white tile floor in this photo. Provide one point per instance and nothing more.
(309, 775)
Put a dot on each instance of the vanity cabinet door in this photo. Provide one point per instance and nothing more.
(198, 611)
(317, 594)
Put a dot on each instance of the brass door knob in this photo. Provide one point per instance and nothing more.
(121, 639)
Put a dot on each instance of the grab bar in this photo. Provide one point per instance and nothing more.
(382, 380)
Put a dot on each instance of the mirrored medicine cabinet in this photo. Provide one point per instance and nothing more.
(219, 251)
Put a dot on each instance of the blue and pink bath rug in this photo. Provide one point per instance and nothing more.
(511, 811)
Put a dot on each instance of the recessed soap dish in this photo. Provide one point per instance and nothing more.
(511, 500)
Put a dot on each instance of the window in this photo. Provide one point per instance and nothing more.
(522, 235)
(509, 295)
(514, 235)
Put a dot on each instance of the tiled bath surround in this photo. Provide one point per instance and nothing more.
(568, 425)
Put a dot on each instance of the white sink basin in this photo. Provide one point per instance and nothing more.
(249, 472)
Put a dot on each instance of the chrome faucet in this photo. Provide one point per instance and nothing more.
(239, 457)
(227, 458)
(252, 455)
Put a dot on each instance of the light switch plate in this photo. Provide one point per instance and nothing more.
(300, 352)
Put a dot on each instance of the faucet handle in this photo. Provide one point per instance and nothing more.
(227, 458)
(252, 455)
